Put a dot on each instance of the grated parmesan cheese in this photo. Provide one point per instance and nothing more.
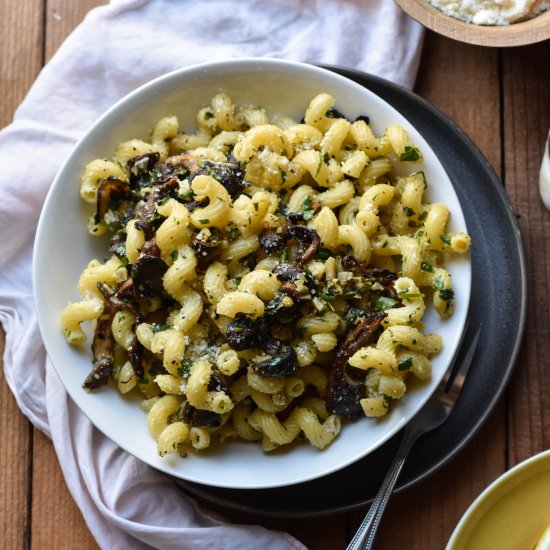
(202, 349)
(491, 12)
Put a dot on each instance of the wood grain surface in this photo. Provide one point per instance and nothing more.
(500, 98)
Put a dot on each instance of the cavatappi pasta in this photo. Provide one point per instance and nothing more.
(267, 277)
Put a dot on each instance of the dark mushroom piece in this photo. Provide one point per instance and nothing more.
(207, 248)
(121, 300)
(146, 228)
(140, 168)
(282, 364)
(103, 352)
(344, 393)
(354, 265)
(99, 377)
(364, 118)
(199, 417)
(291, 290)
(217, 383)
(117, 244)
(244, 333)
(193, 205)
(147, 212)
(287, 271)
(272, 241)
(386, 278)
(334, 113)
(208, 419)
(135, 356)
(147, 273)
(126, 293)
(149, 247)
(108, 189)
(229, 174)
(290, 215)
(305, 235)
(189, 162)
(156, 367)
(280, 309)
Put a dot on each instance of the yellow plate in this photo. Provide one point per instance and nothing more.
(512, 513)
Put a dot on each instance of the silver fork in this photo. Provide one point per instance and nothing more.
(432, 415)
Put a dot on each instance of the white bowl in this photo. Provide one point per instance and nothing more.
(512, 512)
(63, 248)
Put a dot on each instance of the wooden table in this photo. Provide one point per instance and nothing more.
(501, 98)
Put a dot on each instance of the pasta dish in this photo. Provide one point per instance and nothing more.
(265, 278)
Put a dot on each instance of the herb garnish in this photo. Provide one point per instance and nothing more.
(411, 154)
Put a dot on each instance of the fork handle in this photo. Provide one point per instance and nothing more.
(364, 538)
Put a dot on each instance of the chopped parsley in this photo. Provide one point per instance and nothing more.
(156, 327)
(205, 221)
(319, 166)
(406, 293)
(174, 255)
(233, 231)
(351, 294)
(408, 211)
(411, 154)
(446, 294)
(405, 365)
(326, 297)
(323, 254)
(426, 267)
(309, 211)
(445, 238)
(185, 366)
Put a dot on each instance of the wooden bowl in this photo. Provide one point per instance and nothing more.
(515, 34)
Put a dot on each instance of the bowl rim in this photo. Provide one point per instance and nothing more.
(203, 68)
(542, 458)
(522, 33)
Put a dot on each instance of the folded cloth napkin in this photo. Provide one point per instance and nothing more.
(125, 503)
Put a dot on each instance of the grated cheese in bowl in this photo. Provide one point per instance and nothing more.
(491, 12)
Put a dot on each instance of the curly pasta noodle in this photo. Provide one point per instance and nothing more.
(244, 257)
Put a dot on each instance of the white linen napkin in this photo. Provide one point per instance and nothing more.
(125, 503)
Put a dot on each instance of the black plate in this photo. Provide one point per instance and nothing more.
(498, 302)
